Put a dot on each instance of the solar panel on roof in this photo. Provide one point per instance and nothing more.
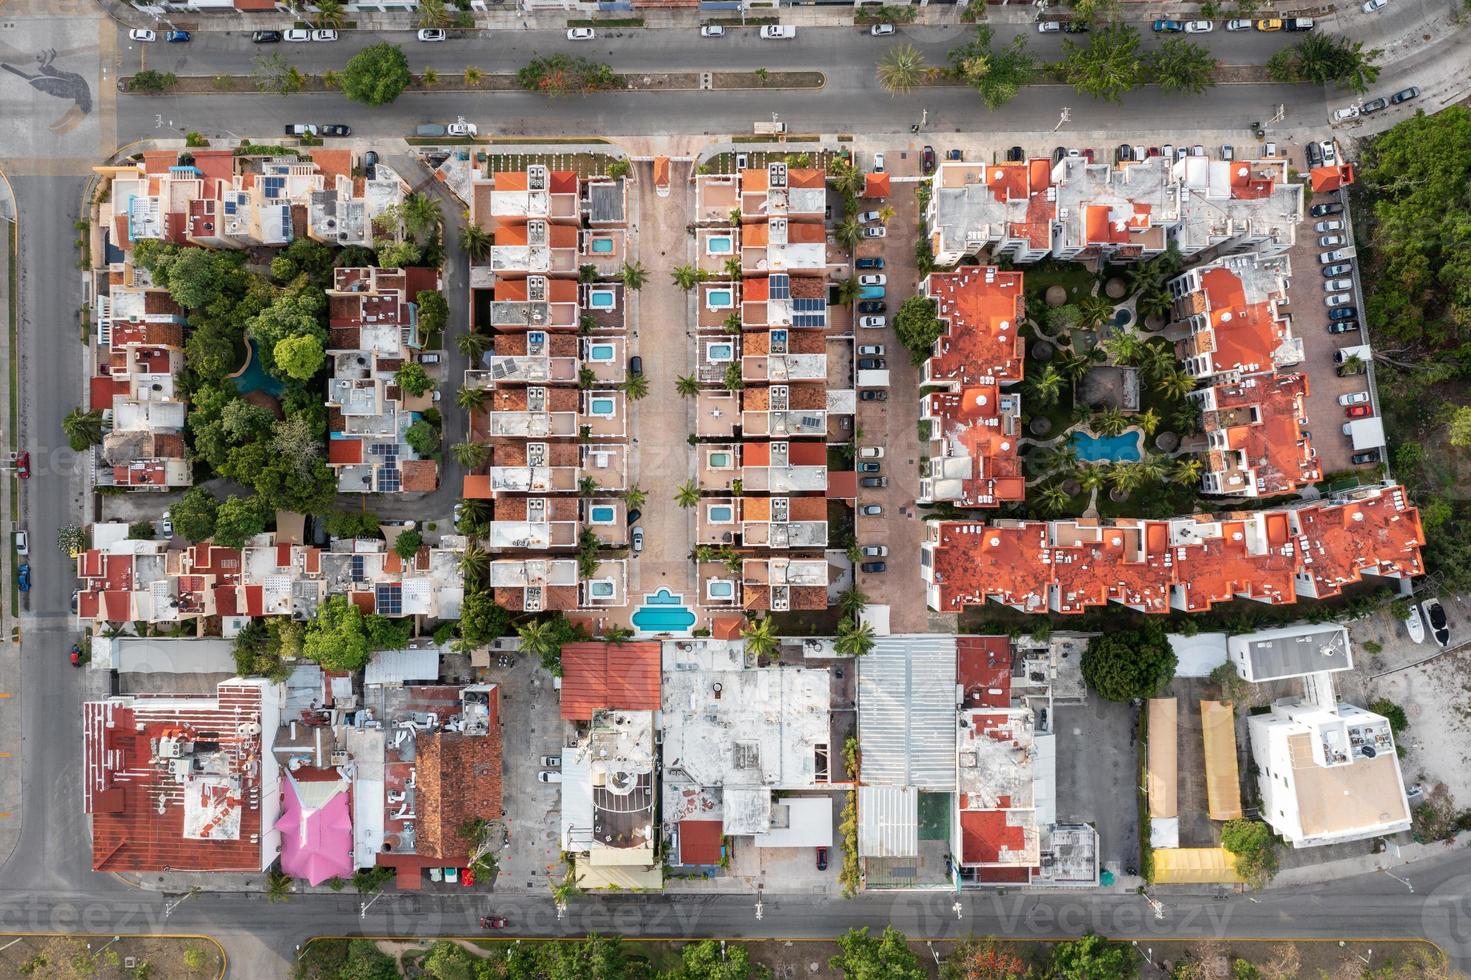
(357, 568)
(390, 600)
(780, 286)
(274, 186)
(388, 481)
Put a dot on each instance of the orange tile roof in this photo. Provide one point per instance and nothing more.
(661, 171)
(875, 185)
(1245, 334)
(609, 675)
(981, 341)
(971, 426)
(1261, 419)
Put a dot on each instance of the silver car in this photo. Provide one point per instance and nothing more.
(1337, 285)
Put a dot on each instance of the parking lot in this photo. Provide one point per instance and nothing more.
(894, 424)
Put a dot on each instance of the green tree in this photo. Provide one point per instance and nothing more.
(883, 957)
(851, 602)
(193, 514)
(561, 74)
(1091, 957)
(1175, 385)
(376, 75)
(1053, 499)
(422, 438)
(448, 960)
(636, 387)
(1186, 472)
(273, 73)
(433, 13)
(918, 326)
(687, 494)
(1128, 664)
(996, 73)
(1110, 422)
(397, 254)
(760, 640)
(413, 379)
(407, 544)
(149, 80)
(300, 357)
(635, 497)
(686, 277)
(1182, 66)
(474, 561)
(278, 886)
(433, 311)
(481, 620)
(854, 640)
(1107, 66)
(470, 455)
(82, 429)
(421, 215)
(711, 960)
(365, 961)
(476, 242)
(292, 313)
(1254, 847)
(1328, 59)
(848, 233)
(342, 638)
(473, 345)
(193, 278)
(330, 14)
(633, 275)
(901, 68)
(1047, 387)
(688, 386)
(238, 519)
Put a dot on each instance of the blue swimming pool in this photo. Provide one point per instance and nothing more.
(602, 246)
(721, 513)
(720, 460)
(602, 515)
(719, 588)
(720, 352)
(1095, 449)
(719, 245)
(663, 612)
(601, 352)
(602, 299)
(601, 406)
(255, 378)
(719, 299)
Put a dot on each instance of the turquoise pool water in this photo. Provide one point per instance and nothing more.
(255, 378)
(721, 514)
(720, 460)
(601, 352)
(719, 299)
(602, 246)
(663, 612)
(720, 589)
(602, 515)
(602, 406)
(602, 299)
(720, 352)
(600, 589)
(1095, 449)
(718, 245)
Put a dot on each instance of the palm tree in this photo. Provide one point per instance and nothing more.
(433, 13)
(635, 497)
(473, 344)
(636, 387)
(1053, 499)
(634, 276)
(473, 76)
(82, 429)
(1123, 347)
(901, 68)
(732, 268)
(1047, 387)
(759, 638)
(330, 14)
(587, 487)
(686, 277)
(476, 242)
(470, 455)
(848, 291)
(1075, 363)
(1060, 456)
(1154, 302)
(1126, 476)
(421, 214)
(1153, 467)
(854, 639)
(472, 399)
(886, 213)
(1110, 422)
(1352, 364)
(1092, 477)
(847, 179)
(733, 323)
(851, 601)
(538, 638)
(428, 78)
(687, 386)
(1186, 471)
(687, 495)
(1176, 384)
(733, 380)
(848, 233)
(473, 512)
(1157, 359)
(1093, 310)
(474, 561)
(1148, 421)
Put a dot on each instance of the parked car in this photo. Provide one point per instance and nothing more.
(876, 551)
(1168, 151)
(873, 567)
(300, 129)
(336, 129)
(1319, 210)
(872, 322)
(166, 525)
(1405, 95)
(712, 30)
(22, 463)
(1049, 27)
(869, 466)
(864, 217)
(1298, 24)
(545, 776)
(869, 263)
(431, 34)
(1343, 326)
(881, 30)
(265, 37)
(581, 34)
(875, 231)
(23, 576)
(871, 510)
(927, 160)
(1331, 241)
(1332, 285)
(1346, 113)
(1344, 313)
(1338, 299)
(1168, 26)
(1199, 26)
(870, 292)
(1314, 152)
(636, 365)
(1016, 154)
(872, 306)
(1197, 150)
(551, 762)
(1337, 255)
(1359, 411)
(324, 35)
(954, 154)
(878, 163)
(142, 36)
(870, 364)
(1124, 153)
(874, 481)
(634, 515)
(1337, 269)
(871, 350)
(822, 859)
(1238, 24)
(296, 35)
(1268, 24)
(1228, 152)
(873, 280)
(22, 543)
(1330, 152)
(637, 540)
(178, 37)
(1374, 105)
(1180, 152)
(1367, 456)
(1435, 616)
(778, 32)
(1354, 398)
(871, 452)
(873, 395)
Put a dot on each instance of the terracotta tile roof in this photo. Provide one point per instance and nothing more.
(332, 162)
(609, 675)
(418, 475)
(459, 779)
(477, 487)
(983, 664)
(700, 841)
(971, 426)
(344, 451)
(981, 308)
(1260, 420)
(875, 185)
(1243, 336)
(987, 835)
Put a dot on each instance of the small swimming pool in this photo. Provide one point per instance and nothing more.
(602, 515)
(255, 378)
(601, 406)
(1123, 316)
(1095, 449)
(719, 245)
(663, 612)
(720, 352)
(721, 513)
(720, 588)
(602, 299)
(720, 460)
(719, 299)
(600, 588)
(601, 246)
(601, 352)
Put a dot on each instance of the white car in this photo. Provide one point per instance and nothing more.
(712, 30)
(1330, 241)
(1354, 398)
(864, 217)
(1330, 152)
(881, 30)
(1338, 299)
(431, 34)
(1326, 226)
(1049, 27)
(296, 35)
(875, 231)
(1346, 113)
(166, 525)
(581, 34)
(872, 322)
(548, 776)
(870, 350)
(778, 32)
(874, 280)
(137, 34)
(1199, 26)
(1335, 285)
(875, 551)
(1372, 5)
(324, 35)
(878, 163)
(1238, 25)
(871, 452)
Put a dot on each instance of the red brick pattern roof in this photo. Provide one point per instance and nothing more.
(609, 675)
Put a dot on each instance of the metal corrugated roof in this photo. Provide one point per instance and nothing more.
(397, 666)
(888, 821)
(906, 712)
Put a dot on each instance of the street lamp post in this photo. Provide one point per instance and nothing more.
(1344, 945)
(364, 906)
(1158, 906)
(1064, 116)
(1402, 881)
(760, 908)
(168, 908)
(103, 946)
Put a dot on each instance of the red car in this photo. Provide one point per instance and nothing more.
(76, 655)
(22, 463)
(492, 922)
(1359, 411)
(467, 877)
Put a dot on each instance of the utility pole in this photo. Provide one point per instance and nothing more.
(364, 906)
(1159, 909)
(1065, 116)
(168, 908)
(760, 908)
(1402, 881)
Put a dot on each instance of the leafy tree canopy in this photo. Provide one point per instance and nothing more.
(918, 326)
(376, 75)
(1129, 664)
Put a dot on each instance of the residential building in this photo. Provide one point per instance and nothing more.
(1292, 651)
(778, 190)
(784, 411)
(1186, 563)
(777, 584)
(1230, 318)
(534, 303)
(1003, 208)
(784, 522)
(545, 584)
(1256, 436)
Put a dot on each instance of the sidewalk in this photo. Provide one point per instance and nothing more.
(1396, 856)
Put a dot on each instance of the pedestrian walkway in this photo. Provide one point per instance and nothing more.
(1394, 857)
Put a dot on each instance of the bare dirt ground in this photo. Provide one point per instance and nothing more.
(1437, 699)
(64, 957)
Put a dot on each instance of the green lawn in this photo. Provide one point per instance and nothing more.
(1072, 276)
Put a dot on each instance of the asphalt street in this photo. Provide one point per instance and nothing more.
(46, 150)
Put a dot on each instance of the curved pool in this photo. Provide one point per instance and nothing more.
(1106, 449)
(663, 612)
